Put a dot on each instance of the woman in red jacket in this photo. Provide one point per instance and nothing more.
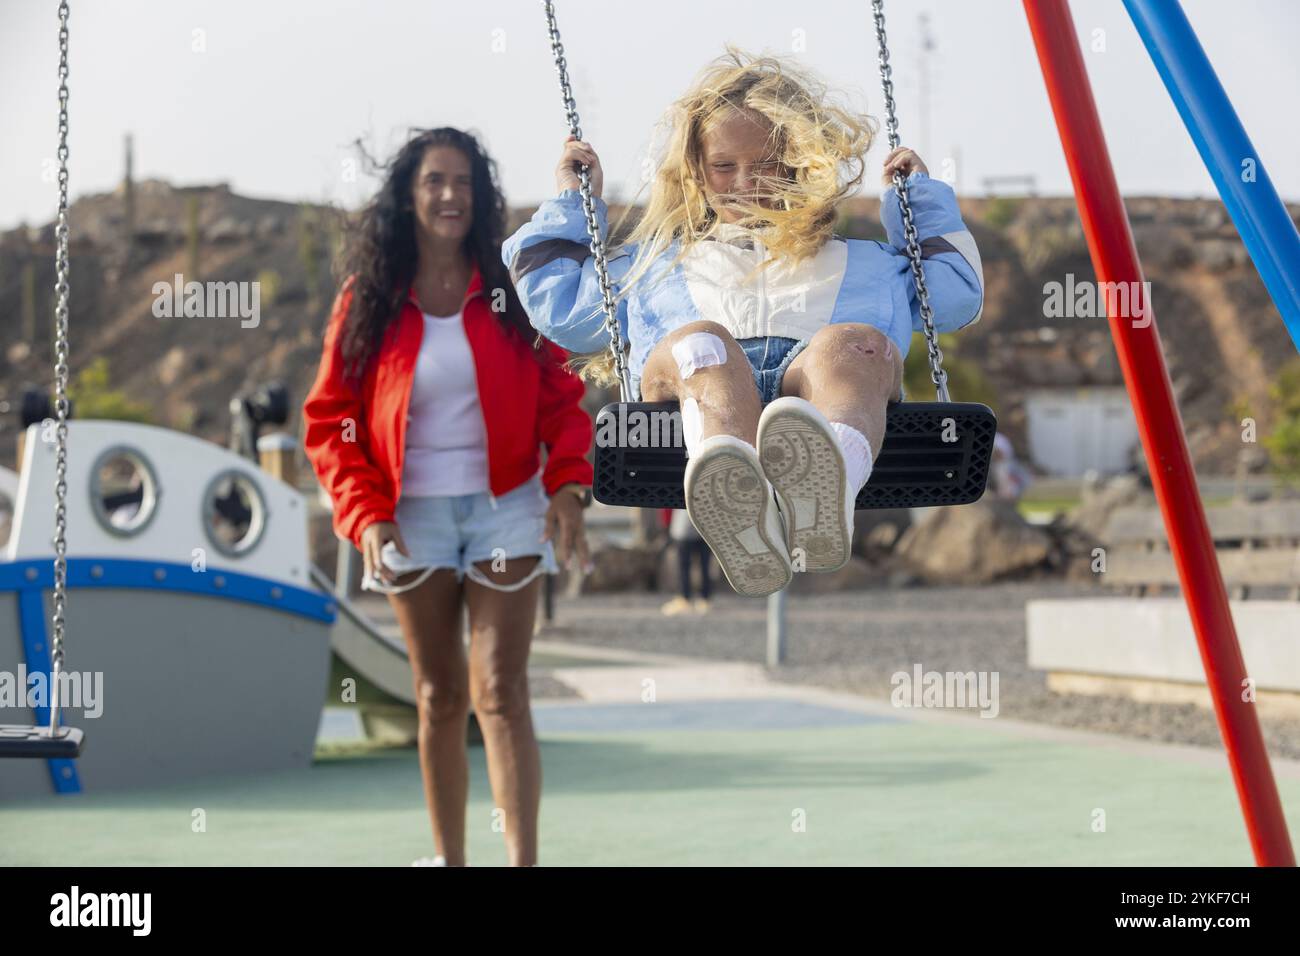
(433, 398)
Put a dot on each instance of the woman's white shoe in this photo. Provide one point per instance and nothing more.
(734, 508)
(430, 861)
(802, 458)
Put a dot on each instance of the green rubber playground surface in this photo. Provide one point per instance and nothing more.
(726, 782)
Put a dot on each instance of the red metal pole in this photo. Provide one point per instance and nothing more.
(1115, 259)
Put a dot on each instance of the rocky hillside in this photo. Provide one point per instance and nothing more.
(1224, 340)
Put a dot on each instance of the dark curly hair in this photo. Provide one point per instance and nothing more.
(381, 255)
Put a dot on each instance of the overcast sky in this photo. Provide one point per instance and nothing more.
(268, 94)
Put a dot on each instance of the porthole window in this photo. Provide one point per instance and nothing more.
(123, 491)
(234, 513)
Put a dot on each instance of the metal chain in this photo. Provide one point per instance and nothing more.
(62, 289)
(937, 375)
(598, 251)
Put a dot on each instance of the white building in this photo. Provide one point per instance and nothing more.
(1074, 430)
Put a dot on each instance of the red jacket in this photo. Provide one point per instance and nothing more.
(526, 403)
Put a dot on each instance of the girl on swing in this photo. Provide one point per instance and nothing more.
(782, 341)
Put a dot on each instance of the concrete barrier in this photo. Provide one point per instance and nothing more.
(1145, 649)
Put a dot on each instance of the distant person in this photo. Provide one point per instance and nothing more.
(1008, 478)
(425, 424)
(691, 550)
(1137, 465)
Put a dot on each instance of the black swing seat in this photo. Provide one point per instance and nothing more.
(21, 740)
(934, 453)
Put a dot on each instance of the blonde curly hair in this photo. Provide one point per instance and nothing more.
(820, 146)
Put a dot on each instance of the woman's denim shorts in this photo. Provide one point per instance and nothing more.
(456, 531)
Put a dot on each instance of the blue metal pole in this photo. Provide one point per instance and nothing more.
(1238, 172)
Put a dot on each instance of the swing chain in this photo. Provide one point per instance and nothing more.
(937, 374)
(597, 244)
(62, 289)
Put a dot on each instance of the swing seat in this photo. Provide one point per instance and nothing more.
(641, 463)
(21, 740)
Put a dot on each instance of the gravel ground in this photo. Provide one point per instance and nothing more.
(856, 641)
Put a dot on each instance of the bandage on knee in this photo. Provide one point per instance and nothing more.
(698, 350)
(692, 425)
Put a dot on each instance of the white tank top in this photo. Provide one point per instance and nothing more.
(446, 439)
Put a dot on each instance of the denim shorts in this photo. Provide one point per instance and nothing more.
(769, 356)
(455, 531)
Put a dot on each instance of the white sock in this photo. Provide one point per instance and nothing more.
(857, 455)
(691, 426)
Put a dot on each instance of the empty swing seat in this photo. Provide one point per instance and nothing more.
(935, 453)
(21, 740)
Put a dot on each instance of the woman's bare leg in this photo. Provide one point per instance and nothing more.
(501, 632)
(429, 616)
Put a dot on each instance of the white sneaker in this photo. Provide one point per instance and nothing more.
(734, 508)
(802, 458)
(430, 861)
(678, 605)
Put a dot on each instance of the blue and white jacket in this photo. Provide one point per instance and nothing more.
(848, 280)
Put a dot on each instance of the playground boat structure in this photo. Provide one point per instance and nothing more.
(200, 634)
